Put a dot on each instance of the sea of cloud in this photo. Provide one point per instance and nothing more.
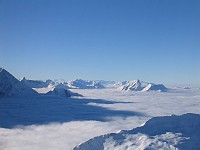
(66, 135)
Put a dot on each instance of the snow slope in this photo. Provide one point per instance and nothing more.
(84, 84)
(62, 92)
(155, 87)
(10, 86)
(106, 84)
(164, 133)
(137, 85)
(36, 83)
(119, 84)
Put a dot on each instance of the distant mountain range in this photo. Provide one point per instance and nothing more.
(84, 84)
(10, 86)
(137, 85)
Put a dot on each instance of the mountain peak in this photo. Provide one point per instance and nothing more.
(137, 85)
(10, 86)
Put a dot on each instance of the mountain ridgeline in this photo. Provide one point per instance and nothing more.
(10, 86)
(137, 85)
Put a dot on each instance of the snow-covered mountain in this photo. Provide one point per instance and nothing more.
(58, 81)
(119, 84)
(84, 84)
(62, 92)
(48, 84)
(61, 85)
(106, 84)
(10, 86)
(166, 133)
(36, 83)
(137, 85)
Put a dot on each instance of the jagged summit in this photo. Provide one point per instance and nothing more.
(137, 85)
(10, 86)
(84, 84)
(134, 85)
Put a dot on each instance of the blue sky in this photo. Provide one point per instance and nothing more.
(155, 41)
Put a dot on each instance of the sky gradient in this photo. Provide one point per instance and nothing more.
(156, 41)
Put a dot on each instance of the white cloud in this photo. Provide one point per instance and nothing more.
(64, 136)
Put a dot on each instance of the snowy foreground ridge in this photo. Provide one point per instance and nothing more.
(159, 133)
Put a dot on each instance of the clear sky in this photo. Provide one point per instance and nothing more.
(152, 40)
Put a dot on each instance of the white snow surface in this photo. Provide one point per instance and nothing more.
(106, 84)
(120, 84)
(137, 85)
(48, 84)
(36, 83)
(53, 122)
(10, 86)
(158, 133)
(51, 87)
(84, 84)
(59, 91)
